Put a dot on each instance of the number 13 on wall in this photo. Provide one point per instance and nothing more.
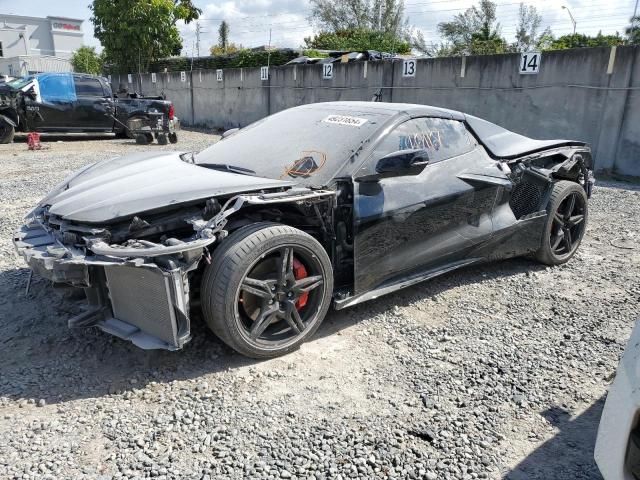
(409, 67)
(530, 62)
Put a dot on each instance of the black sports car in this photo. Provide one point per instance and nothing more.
(319, 204)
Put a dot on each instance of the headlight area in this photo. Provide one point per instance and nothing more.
(136, 273)
(138, 291)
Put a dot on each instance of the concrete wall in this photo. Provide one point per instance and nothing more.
(585, 94)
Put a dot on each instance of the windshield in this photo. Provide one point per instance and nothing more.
(18, 83)
(309, 144)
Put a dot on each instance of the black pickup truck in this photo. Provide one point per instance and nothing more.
(75, 102)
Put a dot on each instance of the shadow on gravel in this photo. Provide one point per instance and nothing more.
(464, 277)
(569, 454)
(66, 137)
(41, 358)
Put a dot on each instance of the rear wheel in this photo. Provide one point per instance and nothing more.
(267, 290)
(143, 139)
(173, 137)
(162, 139)
(567, 214)
(6, 132)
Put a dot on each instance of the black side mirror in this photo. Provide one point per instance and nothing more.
(399, 164)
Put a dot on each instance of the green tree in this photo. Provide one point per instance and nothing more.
(580, 40)
(216, 50)
(357, 39)
(633, 30)
(364, 17)
(474, 32)
(134, 33)
(528, 35)
(224, 47)
(223, 36)
(86, 60)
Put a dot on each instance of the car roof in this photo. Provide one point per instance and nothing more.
(388, 109)
(500, 142)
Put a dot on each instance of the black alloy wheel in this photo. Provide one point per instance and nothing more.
(568, 225)
(278, 296)
(567, 215)
(267, 289)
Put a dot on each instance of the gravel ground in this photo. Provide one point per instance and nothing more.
(497, 371)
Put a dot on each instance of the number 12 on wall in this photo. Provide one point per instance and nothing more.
(530, 62)
(327, 71)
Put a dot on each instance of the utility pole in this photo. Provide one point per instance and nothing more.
(269, 51)
(635, 10)
(198, 37)
(573, 20)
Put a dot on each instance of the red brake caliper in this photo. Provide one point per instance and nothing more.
(299, 271)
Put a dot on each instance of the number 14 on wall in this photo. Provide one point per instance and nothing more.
(530, 62)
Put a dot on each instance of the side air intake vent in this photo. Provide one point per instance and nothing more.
(525, 199)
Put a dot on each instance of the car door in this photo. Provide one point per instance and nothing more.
(411, 224)
(52, 103)
(93, 104)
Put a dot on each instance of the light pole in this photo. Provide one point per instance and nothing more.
(572, 19)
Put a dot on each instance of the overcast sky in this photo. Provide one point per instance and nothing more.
(250, 20)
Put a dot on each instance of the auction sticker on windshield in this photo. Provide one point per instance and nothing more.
(345, 120)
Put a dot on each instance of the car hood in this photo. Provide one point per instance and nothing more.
(129, 185)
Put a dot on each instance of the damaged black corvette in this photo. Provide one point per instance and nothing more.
(329, 203)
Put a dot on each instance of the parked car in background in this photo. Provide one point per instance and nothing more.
(617, 450)
(337, 202)
(75, 102)
(345, 56)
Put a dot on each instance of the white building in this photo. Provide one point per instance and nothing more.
(35, 44)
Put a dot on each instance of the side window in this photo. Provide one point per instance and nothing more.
(442, 138)
(88, 87)
(400, 138)
(106, 90)
(56, 87)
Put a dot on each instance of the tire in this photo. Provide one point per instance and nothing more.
(121, 134)
(262, 318)
(567, 215)
(142, 139)
(162, 139)
(7, 131)
(173, 137)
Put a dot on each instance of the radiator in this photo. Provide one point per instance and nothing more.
(143, 297)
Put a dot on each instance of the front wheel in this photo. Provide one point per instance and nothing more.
(567, 214)
(267, 289)
(7, 132)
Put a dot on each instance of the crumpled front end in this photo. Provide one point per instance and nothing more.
(133, 295)
(136, 273)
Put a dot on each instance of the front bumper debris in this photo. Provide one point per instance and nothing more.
(137, 290)
(138, 300)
